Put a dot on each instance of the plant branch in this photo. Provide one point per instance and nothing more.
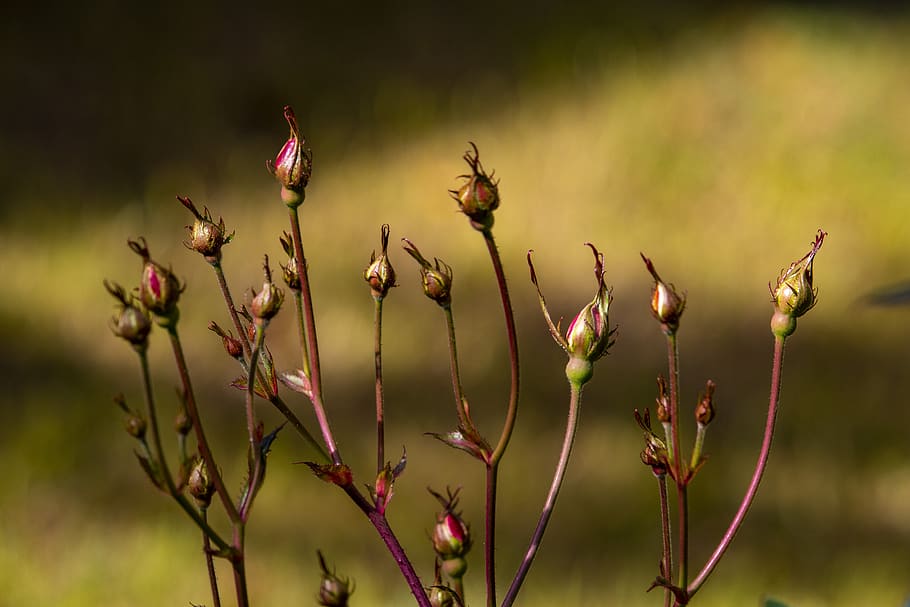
(380, 413)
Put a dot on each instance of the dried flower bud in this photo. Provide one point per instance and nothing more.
(436, 277)
(794, 294)
(293, 165)
(704, 410)
(663, 401)
(200, 484)
(267, 302)
(135, 425)
(290, 272)
(334, 591)
(380, 274)
(206, 236)
(131, 322)
(232, 345)
(478, 196)
(666, 304)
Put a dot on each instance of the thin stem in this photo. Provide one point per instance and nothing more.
(312, 349)
(381, 524)
(761, 464)
(459, 588)
(667, 559)
(490, 533)
(301, 329)
(274, 398)
(256, 461)
(463, 415)
(700, 431)
(239, 566)
(512, 412)
(380, 414)
(162, 462)
(210, 562)
(550, 503)
(680, 469)
(201, 442)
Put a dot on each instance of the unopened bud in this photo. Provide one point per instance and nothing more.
(441, 596)
(436, 277)
(183, 423)
(451, 536)
(478, 196)
(231, 344)
(200, 484)
(663, 401)
(334, 591)
(293, 165)
(267, 302)
(131, 322)
(589, 335)
(666, 304)
(135, 426)
(380, 274)
(290, 272)
(794, 294)
(704, 411)
(159, 289)
(206, 236)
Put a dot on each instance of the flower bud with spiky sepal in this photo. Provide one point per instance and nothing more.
(159, 289)
(131, 323)
(478, 196)
(794, 293)
(293, 165)
(289, 272)
(206, 236)
(380, 274)
(200, 484)
(666, 304)
(266, 303)
(451, 536)
(436, 277)
(334, 591)
(232, 345)
(704, 410)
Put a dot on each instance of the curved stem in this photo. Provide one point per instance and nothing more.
(201, 442)
(380, 413)
(464, 417)
(512, 334)
(761, 464)
(312, 350)
(550, 503)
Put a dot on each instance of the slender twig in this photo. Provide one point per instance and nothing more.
(381, 524)
(666, 542)
(550, 503)
(680, 469)
(162, 462)
(301, 332)
(312, 342)
(463, 416)
(201, 442)
(232, 310)
(256, 462)
(210, 561)
(380, 413)
(239, 566)
(490, 533)
(773, 402)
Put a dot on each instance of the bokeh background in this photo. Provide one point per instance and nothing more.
(715, 140)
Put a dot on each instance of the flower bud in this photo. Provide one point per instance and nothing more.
(135, 426)
(159, 289)
(293, 165)
(441, 596)
(131, 322)
(380, 274)
(666, 304)
(794, 294)
(451, 536)
(200, 484)
(436, 277)
(704, 410)
(267, 302)
(206, 237)
(663, 401)
(478, 196)
(588, 335)
(290, 273)
(334, 591)
(183, 423)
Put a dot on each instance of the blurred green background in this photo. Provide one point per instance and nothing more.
(716, 141)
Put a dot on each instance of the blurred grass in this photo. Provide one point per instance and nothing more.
(718, 153)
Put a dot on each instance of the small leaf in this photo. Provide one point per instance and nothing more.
(399, 468)
(459, 440)
(338, 474)
(240, 384)
(265, 444)
(297, 381)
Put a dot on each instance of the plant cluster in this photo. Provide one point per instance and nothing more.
(196, 483)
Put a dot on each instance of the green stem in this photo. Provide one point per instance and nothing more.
(550, 503)
(464, 418)
(761, 464)
(301, 331)
(667, 559)
(700, 431)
